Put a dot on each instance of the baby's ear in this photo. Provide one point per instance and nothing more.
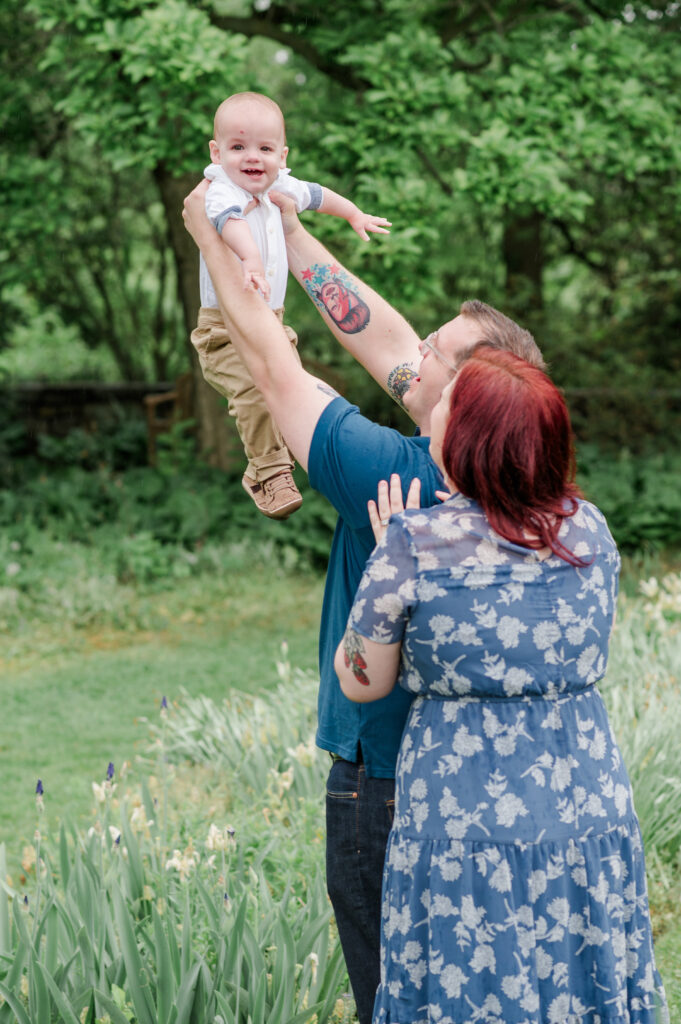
(214, 151)
(284, 154)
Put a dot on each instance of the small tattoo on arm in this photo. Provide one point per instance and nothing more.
(326, 389)
(353, 650)
(399, 380)
(334, 292)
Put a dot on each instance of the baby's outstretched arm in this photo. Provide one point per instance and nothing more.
(339, 206)
(237, 234)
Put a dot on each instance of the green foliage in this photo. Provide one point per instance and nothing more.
(457, 122)
(640, 496)
(198, 892)
(158, 914)
(152, 72)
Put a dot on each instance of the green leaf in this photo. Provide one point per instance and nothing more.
(5, 938)
(104, 1002)
(66, 1012)
(15, 1005)
(136, 973)
(166, 982)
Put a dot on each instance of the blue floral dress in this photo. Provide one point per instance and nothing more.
(514, 889)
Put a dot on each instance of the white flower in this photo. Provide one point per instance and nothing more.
(502, 878)
(537, 884)
(490, 554)
(381, 569)
(479, 578)
(99, 792)
(545, 634)
(220, 839)
(508, 808)
(509, 630)
(483, 957)
(389, 605)
(515, 681)
(586, 660)
(451, 979)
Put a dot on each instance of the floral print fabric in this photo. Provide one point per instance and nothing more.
(514, 889)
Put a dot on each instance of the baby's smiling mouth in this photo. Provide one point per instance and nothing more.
(253, 171)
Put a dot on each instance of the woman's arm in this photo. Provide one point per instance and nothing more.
(367, 670)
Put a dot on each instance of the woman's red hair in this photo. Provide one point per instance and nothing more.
(509, 445)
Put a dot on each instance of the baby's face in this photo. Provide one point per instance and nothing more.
(249, 145)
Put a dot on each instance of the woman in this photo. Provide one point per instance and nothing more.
(514, 888)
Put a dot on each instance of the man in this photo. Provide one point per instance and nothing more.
(346, 456)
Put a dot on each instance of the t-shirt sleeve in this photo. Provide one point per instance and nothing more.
(387, 590)
(349, 455)
(223, 202)
(306, 194)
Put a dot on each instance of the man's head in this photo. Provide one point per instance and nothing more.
(444, 351)
(250, 140)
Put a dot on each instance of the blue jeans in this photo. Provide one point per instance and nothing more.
(359, 814)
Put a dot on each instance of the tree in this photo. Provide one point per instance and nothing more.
(494, 136)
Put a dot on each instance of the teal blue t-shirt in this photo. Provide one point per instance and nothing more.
(348, 456)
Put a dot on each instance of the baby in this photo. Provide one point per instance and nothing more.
(248, 157)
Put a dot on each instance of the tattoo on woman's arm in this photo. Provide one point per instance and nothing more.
(326, 389)
(353, 651)
(399, 380)
(334, 292)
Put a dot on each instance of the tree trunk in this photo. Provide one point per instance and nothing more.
(523, 255)
(216, 432)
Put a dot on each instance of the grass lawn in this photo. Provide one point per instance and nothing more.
(76, 699)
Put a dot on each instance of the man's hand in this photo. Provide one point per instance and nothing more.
(255, 278)
(363, 222)
(194, 214)
(289, 216)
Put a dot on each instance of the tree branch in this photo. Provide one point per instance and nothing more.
(432, 170)
(575, 250)
(259, 26)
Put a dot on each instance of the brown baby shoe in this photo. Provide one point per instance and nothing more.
(276, 497)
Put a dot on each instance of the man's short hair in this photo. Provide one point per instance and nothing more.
(500, 332)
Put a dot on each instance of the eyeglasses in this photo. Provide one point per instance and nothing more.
(430, 345)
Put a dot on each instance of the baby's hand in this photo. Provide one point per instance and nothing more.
(363, 222)
(254, 277)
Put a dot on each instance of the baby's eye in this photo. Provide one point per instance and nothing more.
(266, 149)
(237, 145)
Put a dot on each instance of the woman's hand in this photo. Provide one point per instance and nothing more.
(390, 501)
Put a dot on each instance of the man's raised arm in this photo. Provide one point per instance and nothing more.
(294, 397)
(365, 324)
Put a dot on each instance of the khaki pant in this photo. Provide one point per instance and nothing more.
(221, 366)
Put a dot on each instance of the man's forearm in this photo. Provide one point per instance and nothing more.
(363, 322)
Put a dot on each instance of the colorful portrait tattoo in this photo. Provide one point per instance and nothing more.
(399, 380)
(331, 290)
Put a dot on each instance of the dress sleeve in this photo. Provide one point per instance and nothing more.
(387, 591)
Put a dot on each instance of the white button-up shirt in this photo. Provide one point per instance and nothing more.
(224, 199)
